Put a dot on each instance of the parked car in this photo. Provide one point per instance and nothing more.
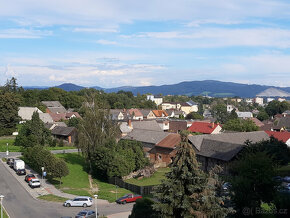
(286, 179)
(86, 214)
(34, 183)
(80, 201)
(21, 172)
(28, 177)
(11, 162)
(128, 198)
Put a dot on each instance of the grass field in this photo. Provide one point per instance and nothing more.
(51, 197)
(155, 179)
(77, 181)
(12, 148)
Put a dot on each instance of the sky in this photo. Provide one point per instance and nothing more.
(112, 43)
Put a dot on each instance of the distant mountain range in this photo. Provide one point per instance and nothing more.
(207, 87)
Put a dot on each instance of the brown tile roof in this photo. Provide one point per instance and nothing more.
(159, 113)
(257, 122)
(170, 141)
(176, 126)
(136, 112)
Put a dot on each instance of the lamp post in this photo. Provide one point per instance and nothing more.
(42, 169)
(96, 197)
(1, 198)
(7, 152)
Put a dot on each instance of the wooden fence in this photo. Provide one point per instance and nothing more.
(141, 190)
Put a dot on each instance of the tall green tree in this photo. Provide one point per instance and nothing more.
(33, 133)
(240, 125)
(186, 191)
(252, 181)
(276, 107)
(219, 111)
(9, 103)
(96, 128)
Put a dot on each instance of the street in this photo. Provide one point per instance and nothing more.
(20, 204)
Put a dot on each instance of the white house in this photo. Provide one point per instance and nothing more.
(157, 99)
(259, 101)
(244, 115)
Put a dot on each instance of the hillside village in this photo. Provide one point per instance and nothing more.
(145, 139)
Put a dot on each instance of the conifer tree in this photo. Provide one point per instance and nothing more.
(186, 191)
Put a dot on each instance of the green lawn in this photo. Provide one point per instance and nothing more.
(108, 191)
(51, 197)
(12, 148)
(4, 214)
(77, 181)
(155, 179)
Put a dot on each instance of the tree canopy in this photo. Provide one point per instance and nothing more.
(240, 125)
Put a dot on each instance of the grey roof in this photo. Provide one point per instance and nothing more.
(26, 112)
(52, 103)
(286, 112)
(145, 112)
(146, 136)
(190, 102)
(244, 114)
(46, 118)
(62, 131)
(233, 138)
(219, 150)
(146, 125)
(284, 122)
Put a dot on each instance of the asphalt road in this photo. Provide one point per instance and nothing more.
(19, 203)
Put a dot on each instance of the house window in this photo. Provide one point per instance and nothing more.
(159, 157)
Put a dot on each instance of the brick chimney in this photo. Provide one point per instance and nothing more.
(130, 123)
(212, 125)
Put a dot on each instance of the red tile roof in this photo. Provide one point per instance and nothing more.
(63, 116)
(170, 141)
(158, 113)
(202, 127)
(281, 136)
(136, 112)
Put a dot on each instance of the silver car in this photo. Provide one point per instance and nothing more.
(86, 214)
(80, 201)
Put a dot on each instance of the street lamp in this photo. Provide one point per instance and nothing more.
(96, 196)
(42, 169)
(1, 198)
(7, 152)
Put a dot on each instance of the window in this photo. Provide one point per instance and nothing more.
(159, 157)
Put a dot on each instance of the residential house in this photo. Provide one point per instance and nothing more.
(270, 99)
(249, 100)
(117, 114)
(160, 113)
(283, 124)
(162, 154)
(164, 124)
(46, 118)
(230, 108)
(205, 128)
(157, 99)
(221, 149)
(257, 122)
(175, 126)
(25, 113)
(134, 114)
(54, 107)
(286, 113)
(194, 106)
(172, 113)
(67, 134)
(207, 113)
(56, 117)
(259, 100)
(127, 127)
(187, 108)
(148, 138)
(281, 136)
(281, 99)
(244, 115)
(147, 114)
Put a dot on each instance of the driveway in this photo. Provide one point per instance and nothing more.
(19, 203)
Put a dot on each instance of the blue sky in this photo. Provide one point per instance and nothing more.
(127, 42)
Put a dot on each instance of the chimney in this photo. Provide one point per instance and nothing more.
(212, 125)
(130, 123)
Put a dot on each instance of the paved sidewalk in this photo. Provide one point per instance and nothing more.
(120, 215)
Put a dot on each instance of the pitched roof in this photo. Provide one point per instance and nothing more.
(284, 122)
(234, 138)
(52, 103)
(175, 126)
(244, 114)
(257, 122)
(62, 131)
(281, 136)
(191, 103)
(146, 125)
(135, 111)
(170, 141)
(159, 113)
(26, 112)
(63, 116)
(287, 112)
(145, 112)
(147, 136)
(203, 127)
(57, 109)
(46, 118)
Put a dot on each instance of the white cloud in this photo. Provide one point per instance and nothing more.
(106, 42)
(23, 33)
(96, 30)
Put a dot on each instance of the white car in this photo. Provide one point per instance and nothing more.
(80, 201)
(34, 183)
